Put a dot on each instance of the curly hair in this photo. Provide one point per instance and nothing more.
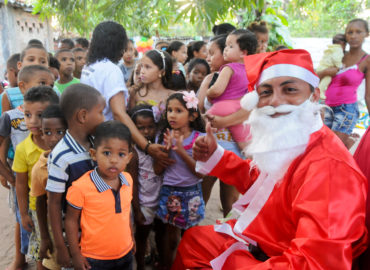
(258, 27)
(246, 40)
(109, 40)
(198, 61)
(41, 93)
(112, 130)
(198, 123)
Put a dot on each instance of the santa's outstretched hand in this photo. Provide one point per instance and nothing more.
(205, 146)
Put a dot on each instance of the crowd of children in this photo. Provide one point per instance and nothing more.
(93, 129)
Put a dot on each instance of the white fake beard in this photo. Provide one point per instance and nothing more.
(276, 142)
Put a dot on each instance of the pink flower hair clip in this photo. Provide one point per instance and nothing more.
(191, 100)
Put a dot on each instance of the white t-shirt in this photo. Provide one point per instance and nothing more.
(107, 78)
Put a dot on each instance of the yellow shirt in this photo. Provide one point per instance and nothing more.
(27, 154)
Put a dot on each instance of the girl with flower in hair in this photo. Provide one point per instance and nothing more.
(181, 125)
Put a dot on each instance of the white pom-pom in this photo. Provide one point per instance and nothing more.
(249, 101)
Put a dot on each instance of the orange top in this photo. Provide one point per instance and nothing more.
(105, 215)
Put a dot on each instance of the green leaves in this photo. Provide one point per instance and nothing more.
(144, 16)
(322, 18)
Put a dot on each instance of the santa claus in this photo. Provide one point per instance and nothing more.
(303, 202)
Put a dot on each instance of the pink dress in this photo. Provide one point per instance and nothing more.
(229, 101)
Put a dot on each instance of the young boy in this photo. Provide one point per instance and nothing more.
(12, 125)
(66, 43)
(66, 60)
(53, 129)
(12, 122)
(33, 54)
(82, 43)
(12, 73)
(82, 106)
(129, 61)
(80, 60)
(12, 69)
(27, 154)
(102, 199)
(54, 66)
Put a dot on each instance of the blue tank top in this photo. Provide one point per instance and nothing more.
(15, 97)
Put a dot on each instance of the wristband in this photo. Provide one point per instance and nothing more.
(147, 147)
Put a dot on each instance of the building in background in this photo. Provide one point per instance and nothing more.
(17, 26)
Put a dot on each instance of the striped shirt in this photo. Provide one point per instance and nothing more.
(67, 162)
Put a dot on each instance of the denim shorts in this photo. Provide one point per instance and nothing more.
(342, 118)
(124, 263)
(25, 235)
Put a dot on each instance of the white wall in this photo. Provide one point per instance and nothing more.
(17, 27)
(316, 46)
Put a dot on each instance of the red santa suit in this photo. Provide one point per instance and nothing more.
(314, 218)
(362, 157)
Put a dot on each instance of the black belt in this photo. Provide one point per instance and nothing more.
(258, 253)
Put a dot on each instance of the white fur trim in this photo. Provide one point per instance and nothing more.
(291, 71)
(210, 164)
(249, 101)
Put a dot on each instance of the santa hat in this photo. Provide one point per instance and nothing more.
(265, 66)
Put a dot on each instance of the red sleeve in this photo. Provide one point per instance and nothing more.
(329, 213)
(232, 170)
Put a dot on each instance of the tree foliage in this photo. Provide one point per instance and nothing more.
(181, 17)
(275, 16)
(322, 18)
(142, 16)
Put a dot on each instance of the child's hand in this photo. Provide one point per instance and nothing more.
(216, 121)
(168, 138)
(179, 139)
(160, 154)
(45, 245)
(173, 140)
(63, 258)
(139, 217)
(7, 179)
(80, 262)
(27, 223)
(4, 183)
